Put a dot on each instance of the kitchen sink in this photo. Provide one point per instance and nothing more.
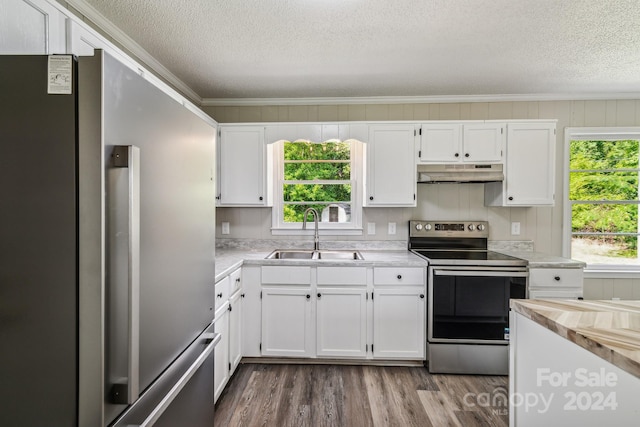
(314, 255)
(290, 254)
(339, 255)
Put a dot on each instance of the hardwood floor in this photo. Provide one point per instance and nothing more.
(354, 396)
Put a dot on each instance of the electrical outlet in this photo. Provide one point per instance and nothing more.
(392, 228)
(515, 228)
(225, 228)
(371, 228)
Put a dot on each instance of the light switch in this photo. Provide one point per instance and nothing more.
(371, 228)
(392, 228)
(515, 228)
(225, 228)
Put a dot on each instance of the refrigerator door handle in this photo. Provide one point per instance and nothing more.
(157, 412)
(128, 156)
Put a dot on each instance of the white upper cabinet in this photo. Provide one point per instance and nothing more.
(82, 41)
(390, 165)
(461, 142)
(31, 27)
(529, 167)
(244, 166)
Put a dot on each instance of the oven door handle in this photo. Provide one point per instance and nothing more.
(481, 273)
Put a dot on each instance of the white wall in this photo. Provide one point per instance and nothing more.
(452, 201)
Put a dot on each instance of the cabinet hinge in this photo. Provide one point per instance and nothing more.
(229, 366)
(371, 348)
(366, 348)
(367, 294)
(554, 131)
(420, 131)
(414, 196)
(419, 153)
(501, 131)
(230, 309)
(219, 132)
(371, 296)
(260, 294)
(260, 346)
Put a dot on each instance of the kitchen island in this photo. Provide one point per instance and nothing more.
(574, 363)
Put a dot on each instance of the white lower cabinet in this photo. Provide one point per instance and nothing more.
(228, 323)
(399, 323)
(555, 283)
(341, 322)
(287, 322)
(221, 373)
(331, 312)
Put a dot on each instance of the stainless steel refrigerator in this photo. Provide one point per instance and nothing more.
(106, 248)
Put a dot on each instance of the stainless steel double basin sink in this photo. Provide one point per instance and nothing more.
(314, 255)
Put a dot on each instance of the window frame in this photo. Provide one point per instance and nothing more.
(593, 134)
(354, 227)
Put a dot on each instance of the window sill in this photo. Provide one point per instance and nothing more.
(321, 232)
(611, 274)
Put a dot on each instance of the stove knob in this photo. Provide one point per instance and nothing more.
(471, 227)
(427, 227)
(418, 226)
(480, 227)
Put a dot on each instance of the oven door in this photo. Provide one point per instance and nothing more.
(471, 304)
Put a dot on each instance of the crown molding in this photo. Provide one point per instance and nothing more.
(241, 102)
(129, 44)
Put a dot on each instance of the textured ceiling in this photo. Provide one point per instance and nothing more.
(353, 48)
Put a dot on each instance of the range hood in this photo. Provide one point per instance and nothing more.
(460, 173)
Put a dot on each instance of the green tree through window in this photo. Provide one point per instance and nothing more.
(603, 197)
(317, 175)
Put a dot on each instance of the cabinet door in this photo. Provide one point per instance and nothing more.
(242, 166)
(235, 330)
(341, 322)
(81, 41)
(221, 358)
(391, 166)
(483, 142)
(287, 322)
(530, 165)
(31, 27)
(440, 143)
(399, 323)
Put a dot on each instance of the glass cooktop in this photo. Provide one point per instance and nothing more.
(480, 257)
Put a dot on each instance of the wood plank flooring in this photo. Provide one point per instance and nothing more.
(342, 395)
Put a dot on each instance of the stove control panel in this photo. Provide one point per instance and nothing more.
(424, 228)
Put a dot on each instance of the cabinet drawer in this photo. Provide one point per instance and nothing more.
(222, 292)
(286, 275)
(555, 278)
(555, 293)
(398, 276)
(342, 275)
(235, 281)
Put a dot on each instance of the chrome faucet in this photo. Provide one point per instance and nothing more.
(316, 216)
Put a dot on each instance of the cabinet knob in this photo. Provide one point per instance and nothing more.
(219, 295)
(370, 197)
(260, 197)
(399, 276)
(557, 278)
(308, 296)
(466, 154)
(242, 295)
(422, 296)
(319, 294)
(237, 280)
(457, 155)
(510, 197)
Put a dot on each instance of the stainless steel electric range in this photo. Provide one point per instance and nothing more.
(469, 288)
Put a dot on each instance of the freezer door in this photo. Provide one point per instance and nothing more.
(183, 394)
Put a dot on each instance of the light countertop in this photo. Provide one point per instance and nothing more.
(608, 329)
(228, 260)
(543, 260)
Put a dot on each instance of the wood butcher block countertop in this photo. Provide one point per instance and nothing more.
(608, 329)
